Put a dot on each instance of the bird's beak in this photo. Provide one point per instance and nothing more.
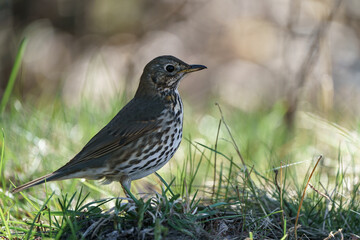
(194, 68)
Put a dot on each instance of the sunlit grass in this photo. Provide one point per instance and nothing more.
(39, 140)
(237, 174)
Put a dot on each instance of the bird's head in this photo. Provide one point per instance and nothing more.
(163, 74)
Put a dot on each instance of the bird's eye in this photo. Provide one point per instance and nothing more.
(169, 68)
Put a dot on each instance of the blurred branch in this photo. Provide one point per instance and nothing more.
(308, 63)
(168, 17)
(294, 10)
(313, 52)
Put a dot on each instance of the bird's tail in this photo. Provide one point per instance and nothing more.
(46, 178)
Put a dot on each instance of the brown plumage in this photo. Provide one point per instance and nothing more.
(141, 138)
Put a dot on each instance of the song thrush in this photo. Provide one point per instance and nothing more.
(141, 138)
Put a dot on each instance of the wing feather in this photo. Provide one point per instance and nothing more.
(138, 118)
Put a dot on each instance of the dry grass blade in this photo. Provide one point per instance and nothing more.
(332, 235)
(320, 193)
(232, 138)
(303, 196)
(280, 189)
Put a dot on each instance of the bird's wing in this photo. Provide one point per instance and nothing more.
(136, 119)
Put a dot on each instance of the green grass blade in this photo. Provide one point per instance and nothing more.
(2, 178)
(96, 188)
(5, 223)
(13, 75)
(25, 197)
(37, 215)
(165, 183)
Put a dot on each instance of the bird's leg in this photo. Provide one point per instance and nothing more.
(125, 182)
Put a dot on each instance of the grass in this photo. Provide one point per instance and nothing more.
(260, 200)
(236, 176)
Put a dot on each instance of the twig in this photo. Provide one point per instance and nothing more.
(320, 193)
(332, 235)
(303, 196)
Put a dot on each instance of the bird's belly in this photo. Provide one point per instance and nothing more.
(150, 153)
(164, 151)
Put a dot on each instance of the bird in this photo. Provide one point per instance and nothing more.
(141, 138)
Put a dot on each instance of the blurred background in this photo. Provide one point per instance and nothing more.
(273, 57)
(303, 52)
